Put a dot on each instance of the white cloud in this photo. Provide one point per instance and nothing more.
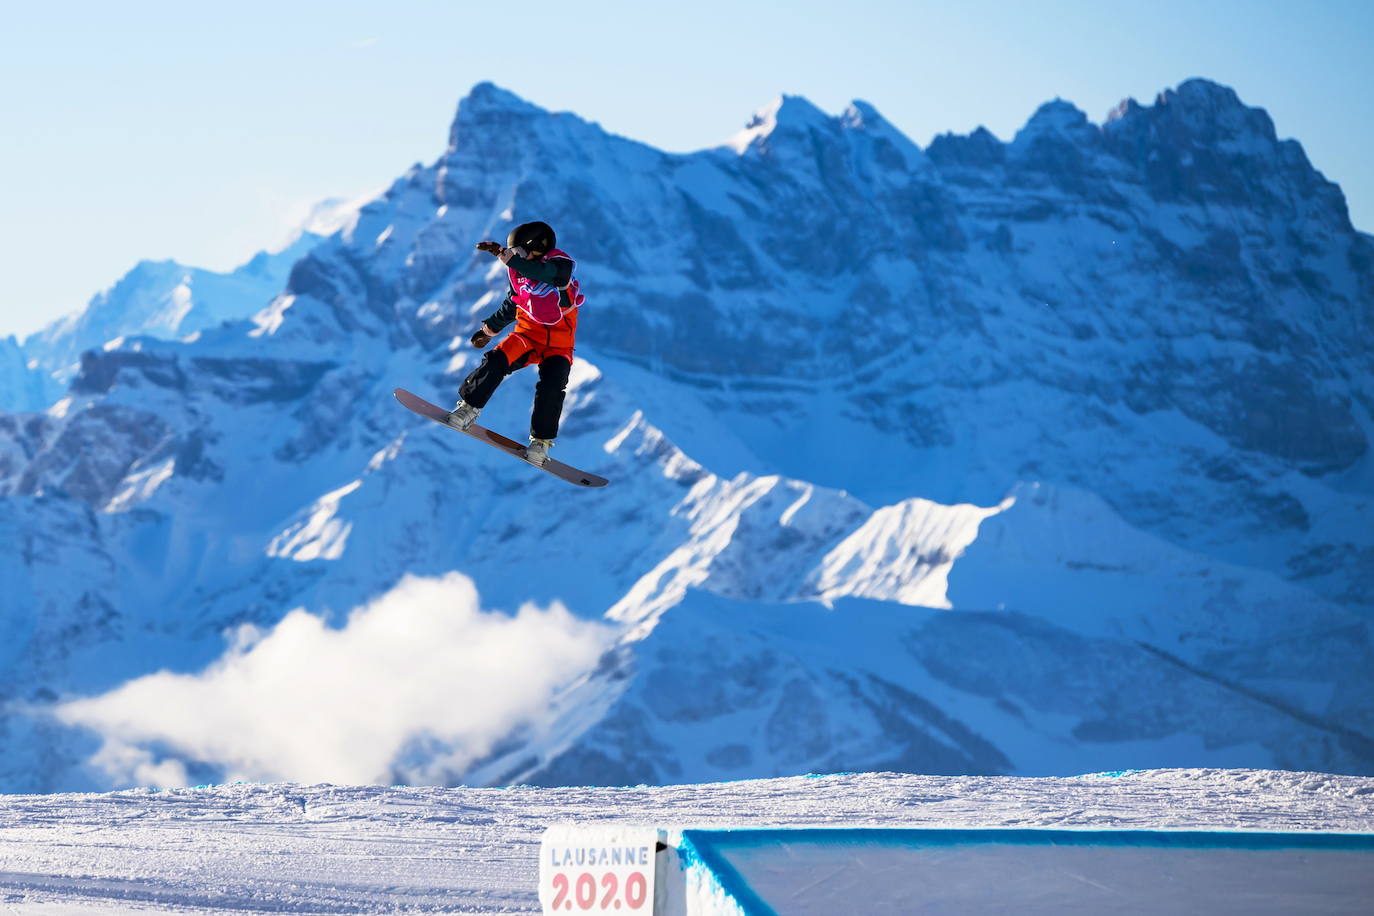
(420, 667)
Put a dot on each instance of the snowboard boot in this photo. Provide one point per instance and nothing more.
(537, 452)
(462, 416)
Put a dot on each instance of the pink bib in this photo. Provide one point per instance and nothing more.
(541, 301)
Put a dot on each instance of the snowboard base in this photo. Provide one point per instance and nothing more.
(572, 475)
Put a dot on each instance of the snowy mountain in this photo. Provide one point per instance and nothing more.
(166, 300)
(1031, 457)
(161, 299)
(23, 385)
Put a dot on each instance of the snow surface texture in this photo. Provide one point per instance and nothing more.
(292, 848)
(987, 458)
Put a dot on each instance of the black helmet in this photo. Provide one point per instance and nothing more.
(533, 237)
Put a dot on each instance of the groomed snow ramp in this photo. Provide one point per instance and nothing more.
(830, 871)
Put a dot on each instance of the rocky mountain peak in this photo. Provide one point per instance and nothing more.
(1057, 143)
(1197, 112)
(890, 147)
(1199, 141)
(860, 115)
(784, 117)
(980, 149)
(1056, 118)
(1198, 94)
(1214, 113)
(488, 112)
(486, 96)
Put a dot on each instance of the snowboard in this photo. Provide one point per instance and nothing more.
(553, 466)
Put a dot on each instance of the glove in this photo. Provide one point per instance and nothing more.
(481, 338)
(491, 248)
(508, 253)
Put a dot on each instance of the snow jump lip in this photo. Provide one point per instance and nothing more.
(827, 870)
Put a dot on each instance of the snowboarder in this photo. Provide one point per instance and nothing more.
(543, 300)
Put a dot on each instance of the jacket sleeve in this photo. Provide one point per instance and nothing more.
(503, 316)
(555, 271)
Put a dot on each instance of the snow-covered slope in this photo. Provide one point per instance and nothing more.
(340, 849)
(1034, 457)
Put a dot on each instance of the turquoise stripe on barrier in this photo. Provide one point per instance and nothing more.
(696, 849)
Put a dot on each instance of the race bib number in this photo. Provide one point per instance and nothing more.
(597, 870)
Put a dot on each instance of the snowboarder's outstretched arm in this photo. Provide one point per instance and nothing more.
(555, 272)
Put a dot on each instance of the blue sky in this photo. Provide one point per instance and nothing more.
(199, 131)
